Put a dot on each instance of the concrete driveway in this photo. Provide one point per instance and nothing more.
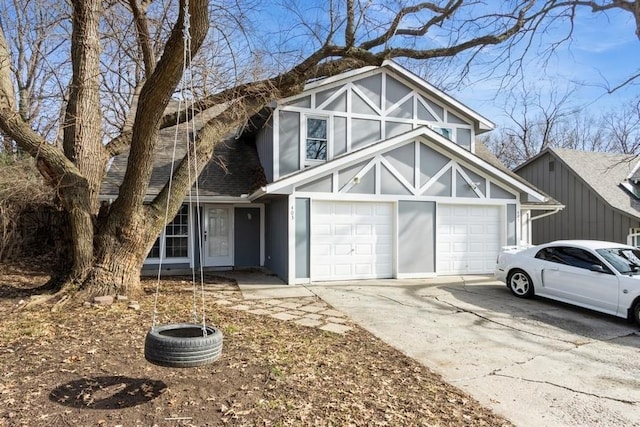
(537, 362)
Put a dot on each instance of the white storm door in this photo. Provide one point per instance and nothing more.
(351, 240)
(218, 236)
(468, 239)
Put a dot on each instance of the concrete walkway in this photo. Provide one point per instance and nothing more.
(266, 295)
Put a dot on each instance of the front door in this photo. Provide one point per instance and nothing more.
(218, 236)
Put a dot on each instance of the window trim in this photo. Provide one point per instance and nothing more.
(633, 238)
(163, 235)
(305, 136)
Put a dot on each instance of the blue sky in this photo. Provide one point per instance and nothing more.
(604, 51)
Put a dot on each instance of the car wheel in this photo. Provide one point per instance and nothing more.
(520, 284)
(635, 312)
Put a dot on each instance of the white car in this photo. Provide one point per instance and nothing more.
(601, 276)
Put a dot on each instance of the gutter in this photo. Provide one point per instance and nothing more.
(257, 194)
(555, 211)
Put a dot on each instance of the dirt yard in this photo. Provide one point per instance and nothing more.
(84, 366)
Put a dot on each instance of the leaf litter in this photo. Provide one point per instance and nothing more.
(84, 366)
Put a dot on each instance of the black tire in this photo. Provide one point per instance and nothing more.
(182, 345)
(520, 284)
(635, 313)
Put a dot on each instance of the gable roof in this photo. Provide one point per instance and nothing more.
(482, 124)
(485, 154)
(604, 173)
(233, 171)
(422, 133)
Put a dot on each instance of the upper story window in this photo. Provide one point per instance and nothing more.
(446, 132)
(317, 140)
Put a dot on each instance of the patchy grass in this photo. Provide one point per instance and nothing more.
(84, 366)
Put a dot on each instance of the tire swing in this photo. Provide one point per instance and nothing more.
(184, 345)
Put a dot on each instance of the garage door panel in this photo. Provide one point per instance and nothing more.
(355, 240)
(384, 251)
(322, 230)
(468, 239)
(363, 269)
(341, 209)
(476, 246)
(342, 249)
(364, 209)
(364, 250)
(322, 249)
(460, 229)
(383, 230)
(364, 229)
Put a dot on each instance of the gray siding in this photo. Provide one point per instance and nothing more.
(416, 237)
(389, 184)
(403, 160)
(463, 189)
(246, 237)
(276, 240)
(511, 225)
(339, 135)
(167, 267)
(585, 216)
(378, 116)
(289, 144)
(264, 145)
(463, 138)
(303, 244)
(324, 185)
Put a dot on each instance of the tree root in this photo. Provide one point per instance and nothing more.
(57, 299)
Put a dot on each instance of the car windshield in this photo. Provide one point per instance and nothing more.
(625, 260)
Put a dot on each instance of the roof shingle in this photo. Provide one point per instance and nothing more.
(232, 171)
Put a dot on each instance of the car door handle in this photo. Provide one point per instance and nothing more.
(552, 269)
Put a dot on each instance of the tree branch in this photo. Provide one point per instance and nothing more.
(349, 32)
(7, 95)
(144, 37)
(393, 30)
(154, 98)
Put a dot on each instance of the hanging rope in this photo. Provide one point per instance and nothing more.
(191, 145)
(192, 160)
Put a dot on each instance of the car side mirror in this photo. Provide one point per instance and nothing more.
(597, 268)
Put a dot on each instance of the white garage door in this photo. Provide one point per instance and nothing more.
(351, 240)
(468, 239)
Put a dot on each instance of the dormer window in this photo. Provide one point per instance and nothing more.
(317, 140)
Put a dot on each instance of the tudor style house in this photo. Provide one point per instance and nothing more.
(373, 173)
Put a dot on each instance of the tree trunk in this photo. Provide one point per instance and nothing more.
(121, 246)
(117, 269)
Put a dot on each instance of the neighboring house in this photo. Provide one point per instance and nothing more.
(373, 173)
(600, 192)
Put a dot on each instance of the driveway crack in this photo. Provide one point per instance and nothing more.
(397, 301)
(630, 402)
(464, 310)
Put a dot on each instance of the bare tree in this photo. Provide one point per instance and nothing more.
(582, 131)
(537, 119)
(559, 124)
(622, 128)
(38, 69)
(109, 251)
